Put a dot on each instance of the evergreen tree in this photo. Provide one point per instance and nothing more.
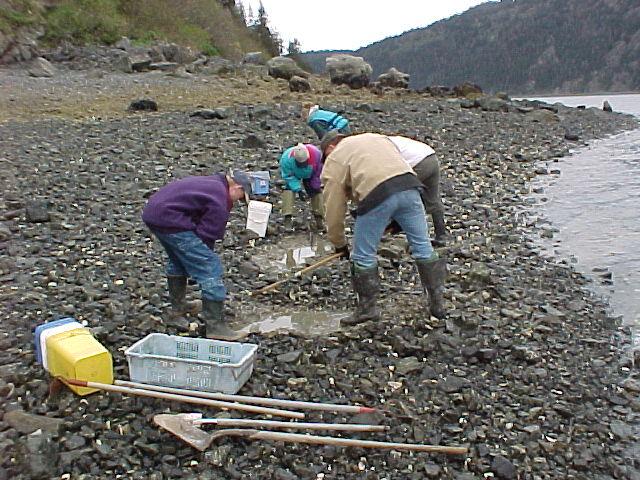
(270, 39)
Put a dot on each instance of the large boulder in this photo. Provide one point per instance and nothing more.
(299, 84)
(41, 68)
(122, 63)
(254, 58)
(218, 66)
(467, 89)
(285, 67)
(178, 54)
(349, 70)
(394, 78)
(490, 103)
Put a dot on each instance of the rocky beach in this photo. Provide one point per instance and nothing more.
(528, 370)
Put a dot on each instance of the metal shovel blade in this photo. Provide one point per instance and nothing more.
(181, 425)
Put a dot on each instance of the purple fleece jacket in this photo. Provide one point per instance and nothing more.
(198, 204)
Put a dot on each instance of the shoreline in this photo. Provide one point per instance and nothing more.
(597, 94)
(522, 372)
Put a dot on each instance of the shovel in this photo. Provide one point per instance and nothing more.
(299, 273)
(186, 426)
(186, 429)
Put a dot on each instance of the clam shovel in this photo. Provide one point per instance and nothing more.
(186, 427)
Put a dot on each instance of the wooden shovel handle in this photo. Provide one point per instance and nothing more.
(340, 442)
(299, 273)
(186, 399)
(236, 422)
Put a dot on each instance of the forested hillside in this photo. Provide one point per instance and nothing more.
(522, 46)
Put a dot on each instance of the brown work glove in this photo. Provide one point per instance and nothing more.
(344, 251)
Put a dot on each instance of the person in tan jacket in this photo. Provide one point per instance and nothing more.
(368, 170)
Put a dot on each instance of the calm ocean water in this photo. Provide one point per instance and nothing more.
(595, 206)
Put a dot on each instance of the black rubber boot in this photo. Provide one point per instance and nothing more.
(213, 317)
(177, 286)
(433, 273)
(442, 236)
(367, 286)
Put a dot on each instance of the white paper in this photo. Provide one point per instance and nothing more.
(258, 217)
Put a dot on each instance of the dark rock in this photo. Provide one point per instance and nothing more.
(467, 89)
(253, 141)
(299, 84)
(37, 211)
(290, 357)
(503, 468)
(216, 114)
(143, 105)
(164, 66)
(453, 384)
(606, 106)
(75, 442)
(571, 137)
(28, 423)
(39, 455)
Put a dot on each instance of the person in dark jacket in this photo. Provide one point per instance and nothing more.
(323, 121)
(187, 216)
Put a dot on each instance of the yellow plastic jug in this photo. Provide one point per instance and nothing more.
(77, 354)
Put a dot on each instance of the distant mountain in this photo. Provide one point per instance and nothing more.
(521, 46)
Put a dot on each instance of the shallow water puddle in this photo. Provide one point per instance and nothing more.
(306, 323)
(292, 252)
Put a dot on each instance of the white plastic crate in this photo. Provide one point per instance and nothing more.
(191, 363)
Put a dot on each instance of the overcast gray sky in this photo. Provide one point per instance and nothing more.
(351, 24)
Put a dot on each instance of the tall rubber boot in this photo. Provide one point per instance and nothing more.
(433, 273)
(213, 317)
(441, 234)
(287, 209)
(367, 286)
(177, 286)
(317, 208)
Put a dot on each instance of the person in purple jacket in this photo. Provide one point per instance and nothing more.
(187, 216)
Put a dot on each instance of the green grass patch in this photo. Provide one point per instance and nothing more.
(85, 21)
(17, 14)
(209, 50)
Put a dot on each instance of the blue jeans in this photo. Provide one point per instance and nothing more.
(189, 256)
(407, 209)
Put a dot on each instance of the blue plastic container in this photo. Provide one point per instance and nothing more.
(260, 182)
(37, 334)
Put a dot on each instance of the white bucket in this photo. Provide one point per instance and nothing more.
(258, 217)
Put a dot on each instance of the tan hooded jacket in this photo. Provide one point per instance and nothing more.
(357, 165)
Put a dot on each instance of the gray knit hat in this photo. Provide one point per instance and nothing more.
(328, 138)
(244, 180)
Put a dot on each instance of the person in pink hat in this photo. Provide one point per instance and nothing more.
(300, 168)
